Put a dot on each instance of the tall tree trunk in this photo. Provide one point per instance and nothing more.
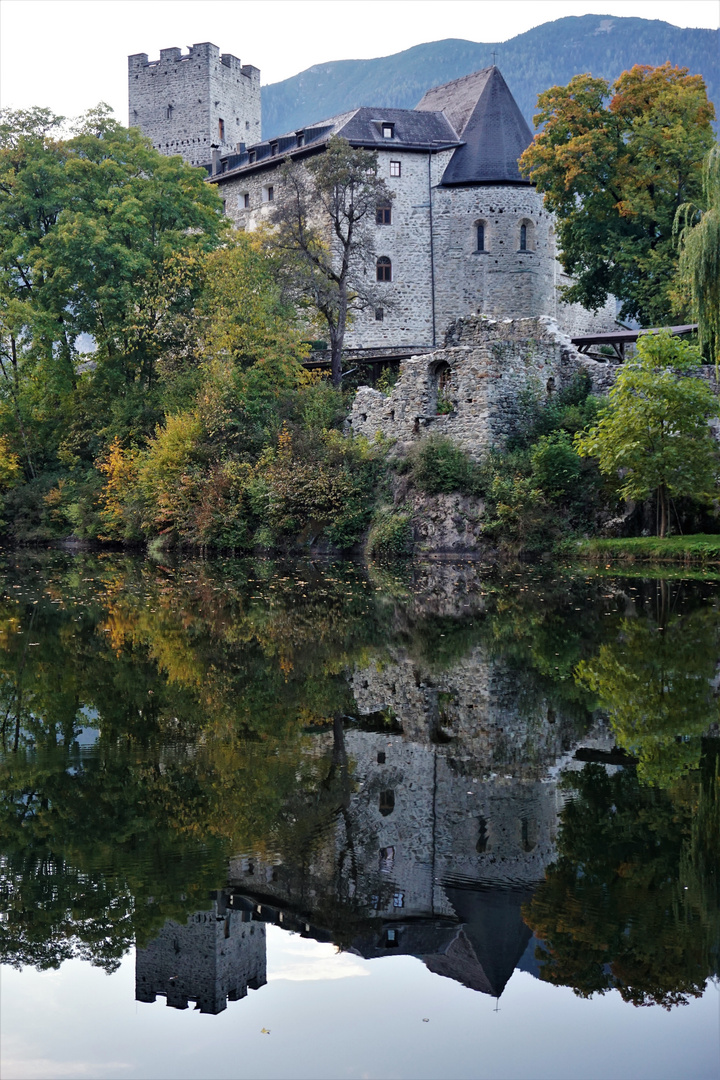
(662, 495)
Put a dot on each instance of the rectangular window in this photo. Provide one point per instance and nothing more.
(300, 135)
(270, 192)
(221, 130)
(388, 131)
(273, 149)
(383, 215)
(379, 316)
(481, 238)
(246, 200)
(398, 899)
(251, 157)
(395, 168)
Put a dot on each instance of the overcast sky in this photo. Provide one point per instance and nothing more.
(70, 54)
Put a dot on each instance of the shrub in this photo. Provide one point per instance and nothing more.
(440, 467)
(390, 536)
(556, 468)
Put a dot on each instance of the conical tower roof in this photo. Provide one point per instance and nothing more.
(486, 116)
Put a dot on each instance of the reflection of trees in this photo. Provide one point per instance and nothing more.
(654, 678)
(200, 701)
(632, 901)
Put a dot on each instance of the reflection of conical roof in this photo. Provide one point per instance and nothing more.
(493, 926)
(486, 116)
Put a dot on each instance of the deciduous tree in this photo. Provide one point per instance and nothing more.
(653, 435)
(615, 173)
(323, 222)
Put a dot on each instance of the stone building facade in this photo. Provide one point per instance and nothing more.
(465, 232)
(196, 103)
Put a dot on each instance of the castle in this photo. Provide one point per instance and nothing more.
(465, 232)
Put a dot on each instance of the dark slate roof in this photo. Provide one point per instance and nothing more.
(493, 130)
(361, 127)
(456, 99)
(424, 130)
(477, 115)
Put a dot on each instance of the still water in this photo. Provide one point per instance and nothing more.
(302, 819)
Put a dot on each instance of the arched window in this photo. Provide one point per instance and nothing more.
(442, 376)
(387, 802)
(480, 236)
(523, 237)
(383, 269)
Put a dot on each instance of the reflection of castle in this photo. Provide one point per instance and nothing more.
(217, 955)
(438, 830)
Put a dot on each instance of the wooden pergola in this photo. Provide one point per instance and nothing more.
(618, 339)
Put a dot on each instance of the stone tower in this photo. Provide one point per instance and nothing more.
(191, 105)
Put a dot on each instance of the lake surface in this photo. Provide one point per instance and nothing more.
(306, 819)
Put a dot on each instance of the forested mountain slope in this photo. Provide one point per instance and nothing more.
(547, 55)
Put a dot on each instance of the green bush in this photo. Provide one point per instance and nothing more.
(556, 468)
(440, 467)
(390, 536)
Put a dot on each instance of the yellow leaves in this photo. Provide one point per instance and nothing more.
(10, 468)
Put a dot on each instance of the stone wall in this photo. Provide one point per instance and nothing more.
(178, 101)
(484, 373)
(502, 280)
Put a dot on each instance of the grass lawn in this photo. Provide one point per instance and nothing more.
(700, 548)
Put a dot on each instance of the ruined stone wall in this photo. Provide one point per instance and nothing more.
(178, 101)
(483, 373)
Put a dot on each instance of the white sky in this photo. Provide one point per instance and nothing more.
(70, 54)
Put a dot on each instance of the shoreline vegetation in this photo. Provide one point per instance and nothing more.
(695, 548)
(154, 393)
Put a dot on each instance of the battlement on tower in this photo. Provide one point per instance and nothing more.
(195, 102)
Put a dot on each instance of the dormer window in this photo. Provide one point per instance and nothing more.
(273, 149)
(300, 136)
(388, 130)
(251, 157)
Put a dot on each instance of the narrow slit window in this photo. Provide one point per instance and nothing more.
(246, 200)
(221, 130)
(523, 237)
(379, 316)
(480, 237)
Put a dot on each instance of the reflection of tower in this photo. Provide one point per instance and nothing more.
(216, 955)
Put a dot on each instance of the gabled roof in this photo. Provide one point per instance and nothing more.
(494, 131)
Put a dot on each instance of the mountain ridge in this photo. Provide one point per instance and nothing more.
(547, 55)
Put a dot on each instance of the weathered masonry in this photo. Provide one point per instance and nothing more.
(464, 232)
(474, 389)
(194, 104)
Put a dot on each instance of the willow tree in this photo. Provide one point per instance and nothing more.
(698, 231)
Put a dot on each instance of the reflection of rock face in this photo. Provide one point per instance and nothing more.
(479, 702)
(217, 955)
